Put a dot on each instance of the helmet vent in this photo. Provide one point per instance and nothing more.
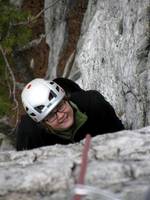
(51, 95)
(57, 88)
(51, 82)
(39, 108)
(28, 86)
(32, 114)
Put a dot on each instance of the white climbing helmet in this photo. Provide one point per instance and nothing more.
(40, 97)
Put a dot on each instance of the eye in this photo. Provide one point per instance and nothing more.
(61, 106)
(51, 115)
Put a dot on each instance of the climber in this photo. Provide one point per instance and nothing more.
(60, 112)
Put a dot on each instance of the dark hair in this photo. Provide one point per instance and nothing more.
(68, 85)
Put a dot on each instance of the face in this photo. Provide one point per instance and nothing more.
(61, 118)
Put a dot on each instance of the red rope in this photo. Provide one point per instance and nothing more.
(83, 164)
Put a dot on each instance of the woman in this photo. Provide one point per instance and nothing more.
(62, 113)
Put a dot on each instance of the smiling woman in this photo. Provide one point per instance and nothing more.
(56, 116)
(52, 116)
(61, 117)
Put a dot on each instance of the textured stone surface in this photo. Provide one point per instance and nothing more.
(55, 27)
(113, 56)
(63, 21)
(5, 143)
(118, 163)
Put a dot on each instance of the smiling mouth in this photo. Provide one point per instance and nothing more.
(63, 119)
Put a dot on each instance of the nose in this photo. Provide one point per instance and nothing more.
(60, 116)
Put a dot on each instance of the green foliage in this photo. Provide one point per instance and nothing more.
(14, 33)
(5, 103)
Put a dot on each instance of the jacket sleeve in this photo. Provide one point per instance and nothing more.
(30, 134)
(100, 112)
(105, 112)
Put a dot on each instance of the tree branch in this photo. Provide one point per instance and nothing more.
(34, 18)
(33, 43)
(13, 81)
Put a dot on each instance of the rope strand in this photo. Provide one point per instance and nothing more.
(84, 162)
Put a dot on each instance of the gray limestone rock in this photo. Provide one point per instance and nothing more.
(113, 56)
(118, 164)
(55, 28)
(5, 143)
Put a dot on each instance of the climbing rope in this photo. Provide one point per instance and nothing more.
(84, 162)
(81, 189)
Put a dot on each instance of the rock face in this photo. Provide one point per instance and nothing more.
(5, 143)
(55, 27)
(63, 21)
(118, 163)
(112, 55)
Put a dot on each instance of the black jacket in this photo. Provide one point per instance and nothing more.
(101, 119)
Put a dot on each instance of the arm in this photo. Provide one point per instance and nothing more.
(25, 134)
(106, 113)
(101, 114)
(32, 135)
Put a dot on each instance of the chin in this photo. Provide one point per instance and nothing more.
(67, 124)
